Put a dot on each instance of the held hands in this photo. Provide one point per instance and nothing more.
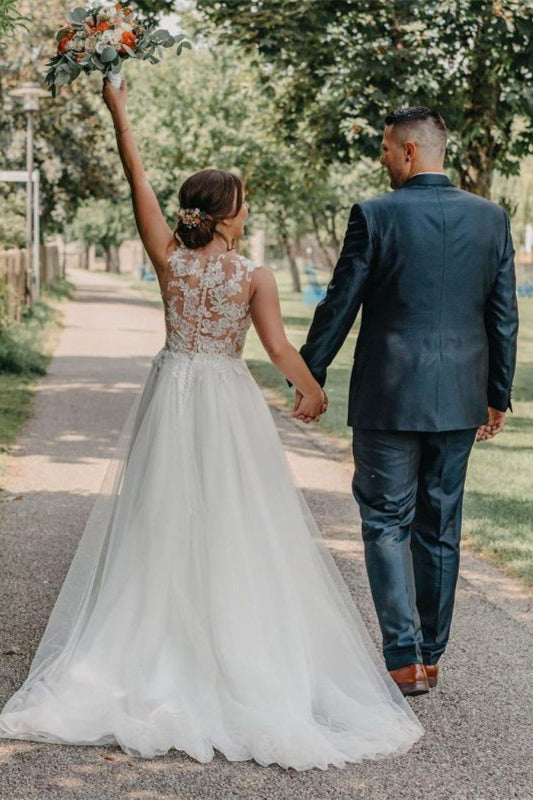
(309, 408)
(494, 425)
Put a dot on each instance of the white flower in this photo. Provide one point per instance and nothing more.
(108, 37)
(90, 45)
(78, 42)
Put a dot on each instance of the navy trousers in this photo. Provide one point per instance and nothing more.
(409, 487)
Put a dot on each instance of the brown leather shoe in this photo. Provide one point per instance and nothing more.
(432, 672)
(411, 680)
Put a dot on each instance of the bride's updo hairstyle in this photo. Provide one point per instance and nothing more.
(216, 195)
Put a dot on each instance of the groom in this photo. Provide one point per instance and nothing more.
(432, 267)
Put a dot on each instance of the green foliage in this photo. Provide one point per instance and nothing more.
(152, 9)
(18, 355)
(15, 408)
(210, 110)
(103, 222)
(24, 357)
(21, 344)
(60, 289)
(10, 17)
(336, 67)
(515, 192)
(12, 219)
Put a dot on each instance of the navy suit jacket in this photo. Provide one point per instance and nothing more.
(433, 268)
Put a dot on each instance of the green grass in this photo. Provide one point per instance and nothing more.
(24, 354)
(499, 497)
(498, 518)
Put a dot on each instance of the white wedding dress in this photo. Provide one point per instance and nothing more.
(202, 610)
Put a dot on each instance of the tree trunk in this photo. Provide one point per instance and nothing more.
(111, 258)
(86, 249)
(295, 275)
(477, 176)
(320, 242)
(479, 146)
(331, 229)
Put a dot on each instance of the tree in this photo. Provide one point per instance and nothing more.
(210, 110)
(106, 223)
(336, 67)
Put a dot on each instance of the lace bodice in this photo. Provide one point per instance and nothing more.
(207, 302)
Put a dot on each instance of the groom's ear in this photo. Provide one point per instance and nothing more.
(409, 149)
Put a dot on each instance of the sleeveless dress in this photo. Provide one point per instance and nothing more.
(202, 610)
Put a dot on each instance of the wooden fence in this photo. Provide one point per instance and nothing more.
(13, 276)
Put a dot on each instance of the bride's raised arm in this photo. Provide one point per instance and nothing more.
(154, 231)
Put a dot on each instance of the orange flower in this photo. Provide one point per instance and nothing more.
(102, 26)
(129, 39)
(63, 43)
(118, 7)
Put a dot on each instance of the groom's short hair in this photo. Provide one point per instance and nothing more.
(425, 125)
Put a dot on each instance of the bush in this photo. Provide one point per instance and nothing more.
(20, 342)
(17, 354)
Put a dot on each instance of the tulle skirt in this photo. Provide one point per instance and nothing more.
(202, 610)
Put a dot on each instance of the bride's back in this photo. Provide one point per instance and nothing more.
(206, 300)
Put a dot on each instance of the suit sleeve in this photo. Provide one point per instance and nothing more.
(336, 313)
(501, 324)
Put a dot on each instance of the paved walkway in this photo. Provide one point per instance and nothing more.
(478, 743)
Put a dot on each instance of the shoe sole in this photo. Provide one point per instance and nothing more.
(413, 689)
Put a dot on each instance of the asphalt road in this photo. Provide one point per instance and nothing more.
(478, 743)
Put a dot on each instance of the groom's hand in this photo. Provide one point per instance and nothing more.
(494, 425)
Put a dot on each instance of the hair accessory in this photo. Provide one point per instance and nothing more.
(191, 217)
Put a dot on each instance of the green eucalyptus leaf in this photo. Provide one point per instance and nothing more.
(78, 14)
(129, 51)
(108, 54)
(63, 78)
(161, 35)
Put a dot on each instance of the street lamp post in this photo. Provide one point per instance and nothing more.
(30, 94)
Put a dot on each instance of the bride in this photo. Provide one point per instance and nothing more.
(202, 610)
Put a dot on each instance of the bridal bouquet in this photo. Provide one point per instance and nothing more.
(100, 38)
